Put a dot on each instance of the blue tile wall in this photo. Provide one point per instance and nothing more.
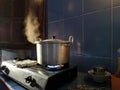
(93, 5)
(116, 30)
(56, 29)
(74, 27)
(54, 10)
(95, 26)
(116, 3)
(98, 34)
(72, 8)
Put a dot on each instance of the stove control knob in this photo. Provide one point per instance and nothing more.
(5, 69)
(28, 79)
(31, 81)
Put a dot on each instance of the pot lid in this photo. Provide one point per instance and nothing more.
(54, 40)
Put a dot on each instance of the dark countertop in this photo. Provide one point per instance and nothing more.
(84, 82)
(81, 82)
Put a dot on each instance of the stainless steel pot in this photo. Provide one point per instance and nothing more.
(53, 51)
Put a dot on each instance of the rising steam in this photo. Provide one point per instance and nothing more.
(32, 27)
(31, 22)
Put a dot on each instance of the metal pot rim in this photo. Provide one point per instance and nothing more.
(52, 42)
(55, 41)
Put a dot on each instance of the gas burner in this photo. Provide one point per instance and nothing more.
(54, 67)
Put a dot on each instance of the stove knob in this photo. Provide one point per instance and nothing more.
(28, 79)
(5, 70)
(31, 81)
(3, 67)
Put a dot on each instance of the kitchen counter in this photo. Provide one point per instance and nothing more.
(81, 82)
(84, 82)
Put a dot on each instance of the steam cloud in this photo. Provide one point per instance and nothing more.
(31, 22)
(32, 27)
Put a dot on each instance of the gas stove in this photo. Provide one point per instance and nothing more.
(38, 77)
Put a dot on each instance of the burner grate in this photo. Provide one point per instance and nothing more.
(25, 63)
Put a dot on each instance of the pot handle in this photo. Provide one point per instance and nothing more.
(71, 39)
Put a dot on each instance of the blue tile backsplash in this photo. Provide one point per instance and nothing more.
(56, 29)
(54, 10)
(116, 30)
(97, 34)
(93, 5)
(116, 3)
(72, 8)
(73, 27)
(95, 26)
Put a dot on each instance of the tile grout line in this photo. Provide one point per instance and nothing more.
(83, 31)
(111, 34)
